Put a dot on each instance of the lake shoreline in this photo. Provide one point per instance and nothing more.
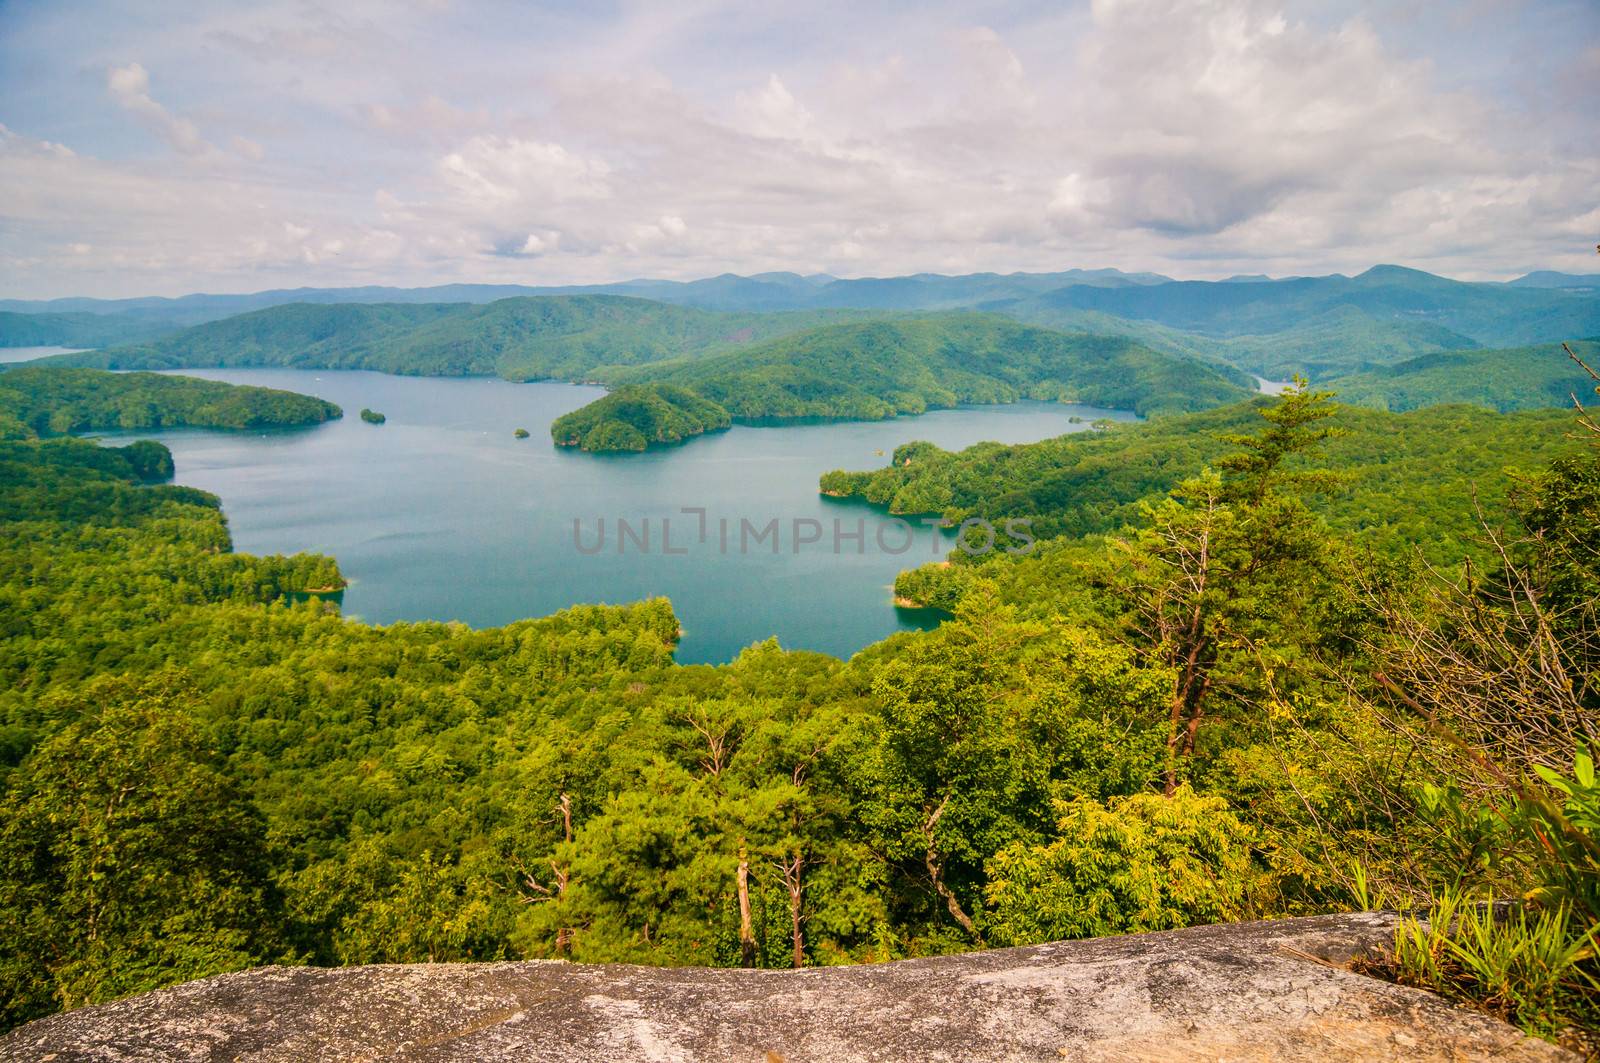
(444, 516)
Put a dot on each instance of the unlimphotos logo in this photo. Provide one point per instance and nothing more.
(742, 535)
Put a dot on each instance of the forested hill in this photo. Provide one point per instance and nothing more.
(637, 416)
(41, 401)
(1410, 478)
(752, 366)
(1487, 314)
(880, 369)
(74, 330)
(530, 338)
(1323, 327)
(877, 369)
(1331, 342)
(1518, 378)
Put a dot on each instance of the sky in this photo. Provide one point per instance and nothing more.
(158, 148)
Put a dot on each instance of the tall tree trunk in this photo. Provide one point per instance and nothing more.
(1173, 730)
(935, 872)
(563, 934)
(1188, 703)
(747, 937)
(792, 872)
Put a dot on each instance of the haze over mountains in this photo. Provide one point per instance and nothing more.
(1214, 305)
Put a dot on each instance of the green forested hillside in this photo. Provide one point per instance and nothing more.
(576, 337)
(527, 338)
(769, 366)
(57, 401)
(1177, 723)
(1517, 379)
(1320, 326)
(1491, 315)
(1124, 345)
(636, 416)
(303, 335)
(1336, 341)
(75, 329)
(877, 369)
(1407, 479)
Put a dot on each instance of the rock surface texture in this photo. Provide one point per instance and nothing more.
(1254, 991)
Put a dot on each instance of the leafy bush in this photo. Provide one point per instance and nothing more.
(1137, 863)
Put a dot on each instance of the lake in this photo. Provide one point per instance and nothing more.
(441, 515)
(28, 354)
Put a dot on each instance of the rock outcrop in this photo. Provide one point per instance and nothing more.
(1257, 991)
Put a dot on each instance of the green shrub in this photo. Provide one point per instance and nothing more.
(1138, 863)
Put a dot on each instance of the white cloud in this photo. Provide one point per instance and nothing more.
(495, 171)
(772, 111)
(130, 87)
(1191, 136)
(541, 243)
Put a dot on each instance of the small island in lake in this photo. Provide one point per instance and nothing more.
(521, 433)
(372, 416)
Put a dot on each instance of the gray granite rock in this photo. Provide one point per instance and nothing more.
(1252, 991)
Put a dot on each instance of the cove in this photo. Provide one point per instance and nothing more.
(440, 514)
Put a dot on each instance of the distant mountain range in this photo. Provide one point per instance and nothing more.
(1546, 279)
(837, 363)
(1322, 326)
(780, 345)
(763, 291)
(729, 291)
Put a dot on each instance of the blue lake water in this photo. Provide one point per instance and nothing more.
(28, 354)
(441, 514)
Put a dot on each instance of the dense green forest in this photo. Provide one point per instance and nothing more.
(875, 369)
(77, 329)
(1318, 326)
(1490, 315)
(1340, 340)
(55, 401)
(530, 338)
(636, 416)
(1408, 479)
(1225, 704)
(1521, 378)
(772, 366)
(869, 349)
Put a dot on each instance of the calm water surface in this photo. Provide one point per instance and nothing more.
(28, 354)
(441, 515)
